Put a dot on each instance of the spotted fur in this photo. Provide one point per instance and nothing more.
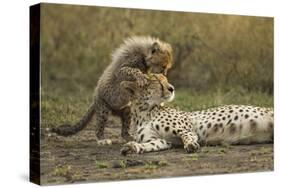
(132, 61)
(159, 127)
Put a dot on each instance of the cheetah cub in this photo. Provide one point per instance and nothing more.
(159, 127)
(132, 61)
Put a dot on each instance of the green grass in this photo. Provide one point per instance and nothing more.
(100, 164)
(192, 157)
(209, 50)
(59, 106)
(191, 100)
(212, 53)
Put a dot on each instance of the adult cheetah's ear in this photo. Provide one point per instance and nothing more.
(130, 86)
(155, 47)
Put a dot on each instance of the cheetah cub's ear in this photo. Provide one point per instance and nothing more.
(132, 87)
(152, 53)
(155, 47)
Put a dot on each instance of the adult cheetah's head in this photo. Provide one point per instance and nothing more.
(157, 91)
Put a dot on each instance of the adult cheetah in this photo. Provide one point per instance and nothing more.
(159, 127)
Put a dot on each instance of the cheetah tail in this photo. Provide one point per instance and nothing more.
(67, 129)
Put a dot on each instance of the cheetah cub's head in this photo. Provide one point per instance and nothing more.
(159, 57)
(157, 91)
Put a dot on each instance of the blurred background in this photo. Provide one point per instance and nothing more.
(218, 59)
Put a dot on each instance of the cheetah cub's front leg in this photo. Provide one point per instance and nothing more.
(190, 140)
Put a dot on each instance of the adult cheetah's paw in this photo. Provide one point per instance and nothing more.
(191, 147)
(130, 147)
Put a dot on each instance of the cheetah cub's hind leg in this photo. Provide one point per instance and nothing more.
(126, 122)
(102, 118)
(150, 146)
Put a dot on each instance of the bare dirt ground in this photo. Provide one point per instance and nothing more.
(79, 159)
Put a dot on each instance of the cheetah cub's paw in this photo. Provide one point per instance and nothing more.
(131, 147)
(191, 147)
(104, 142)
(142, 80)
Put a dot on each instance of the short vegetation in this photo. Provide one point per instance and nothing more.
(219, 59)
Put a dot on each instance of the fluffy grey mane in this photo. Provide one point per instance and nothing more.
(130, 45)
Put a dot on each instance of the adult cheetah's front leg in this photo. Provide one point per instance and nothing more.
(153, 145)
(190, 140)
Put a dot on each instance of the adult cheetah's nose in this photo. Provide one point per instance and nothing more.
(171, 88)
